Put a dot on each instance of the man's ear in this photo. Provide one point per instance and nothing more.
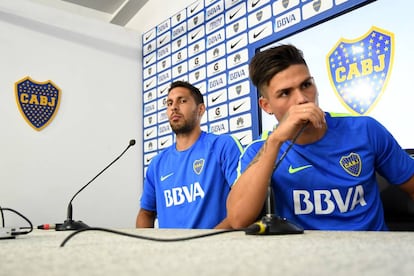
(201, 109)
(264, 104)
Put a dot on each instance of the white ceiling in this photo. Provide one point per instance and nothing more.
(108, 6)
(117, 12)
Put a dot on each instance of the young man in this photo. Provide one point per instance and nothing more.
(327, 179)
(187, 184)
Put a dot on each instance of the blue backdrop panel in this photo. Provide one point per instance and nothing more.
(209, 44)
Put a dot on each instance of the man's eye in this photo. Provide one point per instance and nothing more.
(284, 93)
(307, 84)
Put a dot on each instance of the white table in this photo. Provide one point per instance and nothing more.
(311, 253)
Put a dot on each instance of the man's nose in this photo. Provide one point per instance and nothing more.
(174, 106)
(300, 97)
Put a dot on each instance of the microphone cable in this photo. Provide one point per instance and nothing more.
(271, 224)
(255, 228)
(2, 217)
(218, 232)
(290, 145)
(17, 231)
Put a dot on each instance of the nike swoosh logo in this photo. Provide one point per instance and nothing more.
(162, 91)
(148, 60)
(149, 133)
(162, 40)
(234, 14)
(255, 3)
(215, 98)
(194, 8)
(237, 107)
(164, 142)
(164, 177)
(234, 44)
(194, 35)
(298, 169)
(255, 35)
(148, 36)
(148, 84)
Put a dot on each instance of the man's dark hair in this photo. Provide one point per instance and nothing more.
(264, 65)
(198, 97)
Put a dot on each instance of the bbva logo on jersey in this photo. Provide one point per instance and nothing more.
(359, 69)
(38, 102)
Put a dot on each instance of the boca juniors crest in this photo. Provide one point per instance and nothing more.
(351, 164)
(359, 69)
(38, 102)
(198, 166)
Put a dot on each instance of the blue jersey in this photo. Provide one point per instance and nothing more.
(188, 189)
(331, 184)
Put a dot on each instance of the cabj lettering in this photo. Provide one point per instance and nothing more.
(37, 100)
(355, 70)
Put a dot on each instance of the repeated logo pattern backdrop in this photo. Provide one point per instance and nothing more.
(209, 44)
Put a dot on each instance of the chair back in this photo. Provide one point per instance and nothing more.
(398, 205)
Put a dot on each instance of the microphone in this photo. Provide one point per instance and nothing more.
(272, 224)
(69, 223)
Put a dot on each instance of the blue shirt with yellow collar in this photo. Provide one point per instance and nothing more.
(331, 184)
(189, 189)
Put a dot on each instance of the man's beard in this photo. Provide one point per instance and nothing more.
(185, 128)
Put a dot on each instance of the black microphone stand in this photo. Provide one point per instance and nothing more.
(69, 223)
(270, 223)
(274, 224)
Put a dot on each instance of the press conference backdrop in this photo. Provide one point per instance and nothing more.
(361, 62)
(356, 50)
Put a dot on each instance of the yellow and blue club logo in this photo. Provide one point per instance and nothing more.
(38, 102)
(359, 69)
(351, 163)
(198, 166)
